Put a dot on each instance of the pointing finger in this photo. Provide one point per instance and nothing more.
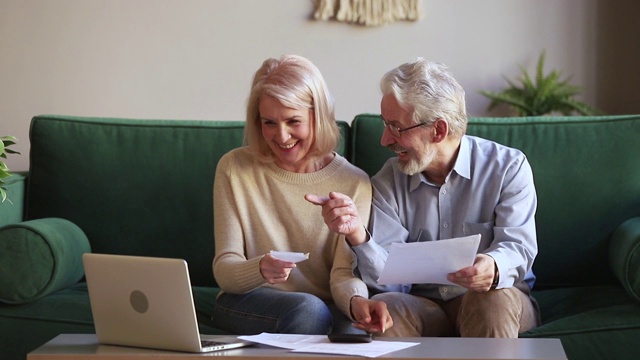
(316, 200)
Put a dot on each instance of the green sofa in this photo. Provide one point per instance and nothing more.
(144, 187)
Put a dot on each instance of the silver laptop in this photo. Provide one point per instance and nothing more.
(147, 302)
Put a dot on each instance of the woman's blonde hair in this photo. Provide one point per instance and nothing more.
(296, 83)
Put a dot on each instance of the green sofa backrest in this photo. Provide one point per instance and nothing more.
(144, 187)
(587, 176)
(135, 187)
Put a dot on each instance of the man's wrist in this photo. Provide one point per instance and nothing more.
(496, 276)
(361, 236)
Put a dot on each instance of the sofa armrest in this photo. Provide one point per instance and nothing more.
(12, 209)
(38, 257)
(624, 256)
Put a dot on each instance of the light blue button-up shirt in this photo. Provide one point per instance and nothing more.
(490, 191)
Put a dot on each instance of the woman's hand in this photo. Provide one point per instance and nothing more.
(370, 315)
(275, 271)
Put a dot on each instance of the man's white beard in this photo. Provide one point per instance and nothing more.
(414, 166)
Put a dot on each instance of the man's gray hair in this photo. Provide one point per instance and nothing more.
(428, 90)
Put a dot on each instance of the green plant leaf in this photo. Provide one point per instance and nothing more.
(5, 142)
(547, 94)
(508, 99)
(9, 140)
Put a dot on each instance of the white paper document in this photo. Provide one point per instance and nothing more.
(320, 344)
(293, 257)
(428, 262)
(373, 349)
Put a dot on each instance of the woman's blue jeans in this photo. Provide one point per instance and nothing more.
(274, 311)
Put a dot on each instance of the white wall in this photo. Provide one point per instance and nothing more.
(193, 59)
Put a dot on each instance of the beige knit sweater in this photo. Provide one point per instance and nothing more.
(261, 207)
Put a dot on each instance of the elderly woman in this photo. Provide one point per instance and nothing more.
(259, 207)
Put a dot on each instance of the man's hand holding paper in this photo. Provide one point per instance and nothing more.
(478, 277)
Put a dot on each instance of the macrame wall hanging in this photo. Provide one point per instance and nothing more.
(368, 12)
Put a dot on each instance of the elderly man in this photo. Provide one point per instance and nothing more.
(445, 184)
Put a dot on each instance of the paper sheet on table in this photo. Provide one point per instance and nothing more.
(428, 262)
(320, 344)
(293, 257)
(373, 349)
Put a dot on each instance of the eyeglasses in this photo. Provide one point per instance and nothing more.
(396, 131)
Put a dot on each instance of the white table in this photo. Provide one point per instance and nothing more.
(85, 346)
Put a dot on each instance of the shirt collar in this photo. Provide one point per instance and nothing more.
(463, 163)
(462, 166)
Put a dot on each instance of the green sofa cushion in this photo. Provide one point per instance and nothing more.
(624, 256)
(39, 257)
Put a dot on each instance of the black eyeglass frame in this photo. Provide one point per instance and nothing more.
(396, 131)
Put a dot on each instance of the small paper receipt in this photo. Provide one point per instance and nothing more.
(293, 257)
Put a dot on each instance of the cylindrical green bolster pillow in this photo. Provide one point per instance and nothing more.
(38, 257)
(624, 256)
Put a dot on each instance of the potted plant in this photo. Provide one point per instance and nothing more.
(545, 94)
(5, 142)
